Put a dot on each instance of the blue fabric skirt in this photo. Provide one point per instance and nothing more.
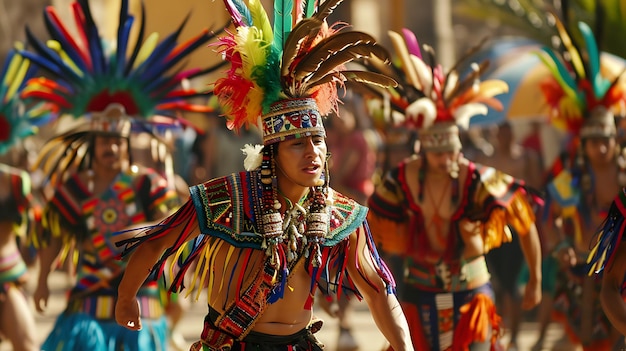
(80, 331)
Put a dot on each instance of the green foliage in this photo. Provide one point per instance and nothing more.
(607, 18)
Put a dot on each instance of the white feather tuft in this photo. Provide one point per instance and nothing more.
(254, 156)
(464, 113)
(425, 107)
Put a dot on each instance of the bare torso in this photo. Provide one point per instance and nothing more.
(438, 209)
(606, 186)
(284, 317)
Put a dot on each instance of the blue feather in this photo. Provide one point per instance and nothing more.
(47, 59)
(165, 66)
(159, 53)
(56, 34)
(244, 11)
(123, 31)
(142, 29)
(95, 44)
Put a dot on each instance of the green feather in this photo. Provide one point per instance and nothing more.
(599, 84)
(283, 10)
(309, 8)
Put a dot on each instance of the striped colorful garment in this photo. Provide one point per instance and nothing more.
(12, 271)
(15, 209)
(303, 340)
(568, 192)
(489, 196)
(80, 331)
(93, 221)
(19, 208)
(568, 307)
(226, 210)
(451, 321)
(433, 294)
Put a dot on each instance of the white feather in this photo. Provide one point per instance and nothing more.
(464, 113)
(451, 82)
(424, 74)
(425, 107)
(254, 156)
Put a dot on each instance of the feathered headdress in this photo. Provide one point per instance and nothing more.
(283, 79)
(582, 98)
(89, 78)
(288, 73)
(88, 75)
(434, 102)
(16, 120)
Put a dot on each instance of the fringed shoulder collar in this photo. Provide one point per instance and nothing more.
(229, 208)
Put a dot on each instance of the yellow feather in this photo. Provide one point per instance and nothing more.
(485, 89)
(255, 100)
(231, 249)
(253, 49)
(403, 54)
(260, 20)
(146, 49)
(199, 267)
(567, 42)
(594, 250)
(56, 46)
(15, 74)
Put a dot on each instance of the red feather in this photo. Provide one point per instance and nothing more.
(54, 17)
(79, 18)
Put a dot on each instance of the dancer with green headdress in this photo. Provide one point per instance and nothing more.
(584, 100)
(267, 239)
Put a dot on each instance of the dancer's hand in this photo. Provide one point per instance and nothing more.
(532, 294)
(127, 313)
(40, 296)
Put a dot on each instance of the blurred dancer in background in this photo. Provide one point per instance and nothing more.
(98, 191)
(443, 213)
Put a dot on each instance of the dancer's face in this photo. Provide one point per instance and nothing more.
(300, 162)
(441, 162)
(110, 151)
(600, 149)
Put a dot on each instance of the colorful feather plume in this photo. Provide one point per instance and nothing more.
(299, 56)
(17, 119)
(576, 83)
(88, 75)
(426, 94)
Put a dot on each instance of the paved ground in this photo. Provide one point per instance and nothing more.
(365, 331)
